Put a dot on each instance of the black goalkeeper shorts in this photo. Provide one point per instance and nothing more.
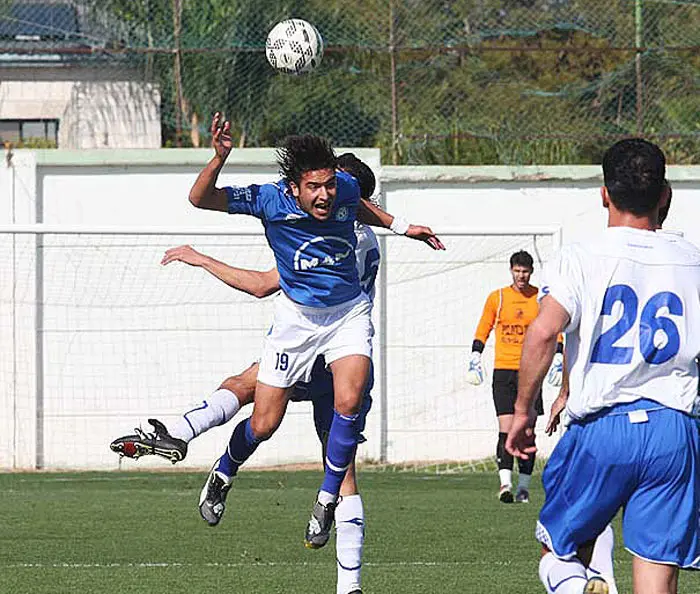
(505, 390)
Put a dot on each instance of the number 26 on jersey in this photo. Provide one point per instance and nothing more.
(656, 348)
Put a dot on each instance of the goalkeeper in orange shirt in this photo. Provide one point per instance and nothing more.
(510, 310)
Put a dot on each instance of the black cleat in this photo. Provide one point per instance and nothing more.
(505, 494)
(158, 443)
(522, 496)
(318, 531)
(212, 499)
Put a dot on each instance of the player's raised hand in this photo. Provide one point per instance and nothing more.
(426, 235)
(183, 253)
(221, 136)
(558, 407)
(521, 437)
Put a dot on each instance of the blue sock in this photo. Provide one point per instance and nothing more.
(342, 442)
(241, 447)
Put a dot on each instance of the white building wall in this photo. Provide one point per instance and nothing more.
(105, 363)
(95, 109)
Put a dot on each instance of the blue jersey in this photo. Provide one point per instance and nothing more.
(315, 259)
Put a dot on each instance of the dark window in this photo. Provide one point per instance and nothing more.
(31, 133)
(9, 131)
(39, 20)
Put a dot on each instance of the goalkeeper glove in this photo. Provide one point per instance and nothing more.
(556, 371)
(475, 374)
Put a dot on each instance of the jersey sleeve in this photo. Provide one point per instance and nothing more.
(348, 190)
(563, 282)
(488, 318)
(245, 200)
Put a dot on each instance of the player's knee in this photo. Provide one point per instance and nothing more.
(243, 389)
(348, 403)
(264, 426)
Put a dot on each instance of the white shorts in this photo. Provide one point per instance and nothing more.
(299, 334)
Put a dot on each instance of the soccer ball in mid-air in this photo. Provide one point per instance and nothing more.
(294, 46)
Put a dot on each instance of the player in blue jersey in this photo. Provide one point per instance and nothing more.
(171, 442)
(309, 218)
(629, 302)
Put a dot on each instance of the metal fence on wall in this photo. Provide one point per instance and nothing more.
(428, 81)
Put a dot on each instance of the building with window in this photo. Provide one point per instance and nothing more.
(60, 86)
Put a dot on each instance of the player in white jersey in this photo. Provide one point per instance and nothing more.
(629, 302)
(602, 551)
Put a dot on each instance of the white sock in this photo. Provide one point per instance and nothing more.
(524, 481)
(216, 410)
(349, 540)
(562, 577)
(506, 477)
(602, 558)
(324, 497)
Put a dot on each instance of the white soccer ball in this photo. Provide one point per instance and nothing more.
(294, 46)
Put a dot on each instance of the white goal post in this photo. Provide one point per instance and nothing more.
(96, 336)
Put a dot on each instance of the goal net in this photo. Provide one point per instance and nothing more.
(434, 419)
(96, 336)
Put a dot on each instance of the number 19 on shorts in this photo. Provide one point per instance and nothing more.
(282, 361)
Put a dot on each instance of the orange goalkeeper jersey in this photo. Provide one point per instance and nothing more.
(511, 312)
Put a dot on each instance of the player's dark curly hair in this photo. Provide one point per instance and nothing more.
(300, 154)
(522, 258)
(634, 171)
(349, 163)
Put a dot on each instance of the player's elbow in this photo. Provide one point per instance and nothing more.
(262, 291)
(269, 284)
(267, 291)
(196, 198)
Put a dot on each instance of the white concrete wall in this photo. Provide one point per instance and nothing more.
(95, 108)
(123, 338)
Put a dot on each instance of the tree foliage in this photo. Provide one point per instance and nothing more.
(473, 81)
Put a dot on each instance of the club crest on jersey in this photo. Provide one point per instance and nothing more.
(322, 251)
(242, 194)
(342, 214)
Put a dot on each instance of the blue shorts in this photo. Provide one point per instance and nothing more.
(650, 469)
(319, 391)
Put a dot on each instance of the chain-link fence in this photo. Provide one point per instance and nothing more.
(428, 81)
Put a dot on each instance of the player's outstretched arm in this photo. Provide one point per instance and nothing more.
(538, 350)
(254, 282)
(370, 214)
(204, 193)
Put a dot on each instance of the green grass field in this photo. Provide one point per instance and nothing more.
(141, 532)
